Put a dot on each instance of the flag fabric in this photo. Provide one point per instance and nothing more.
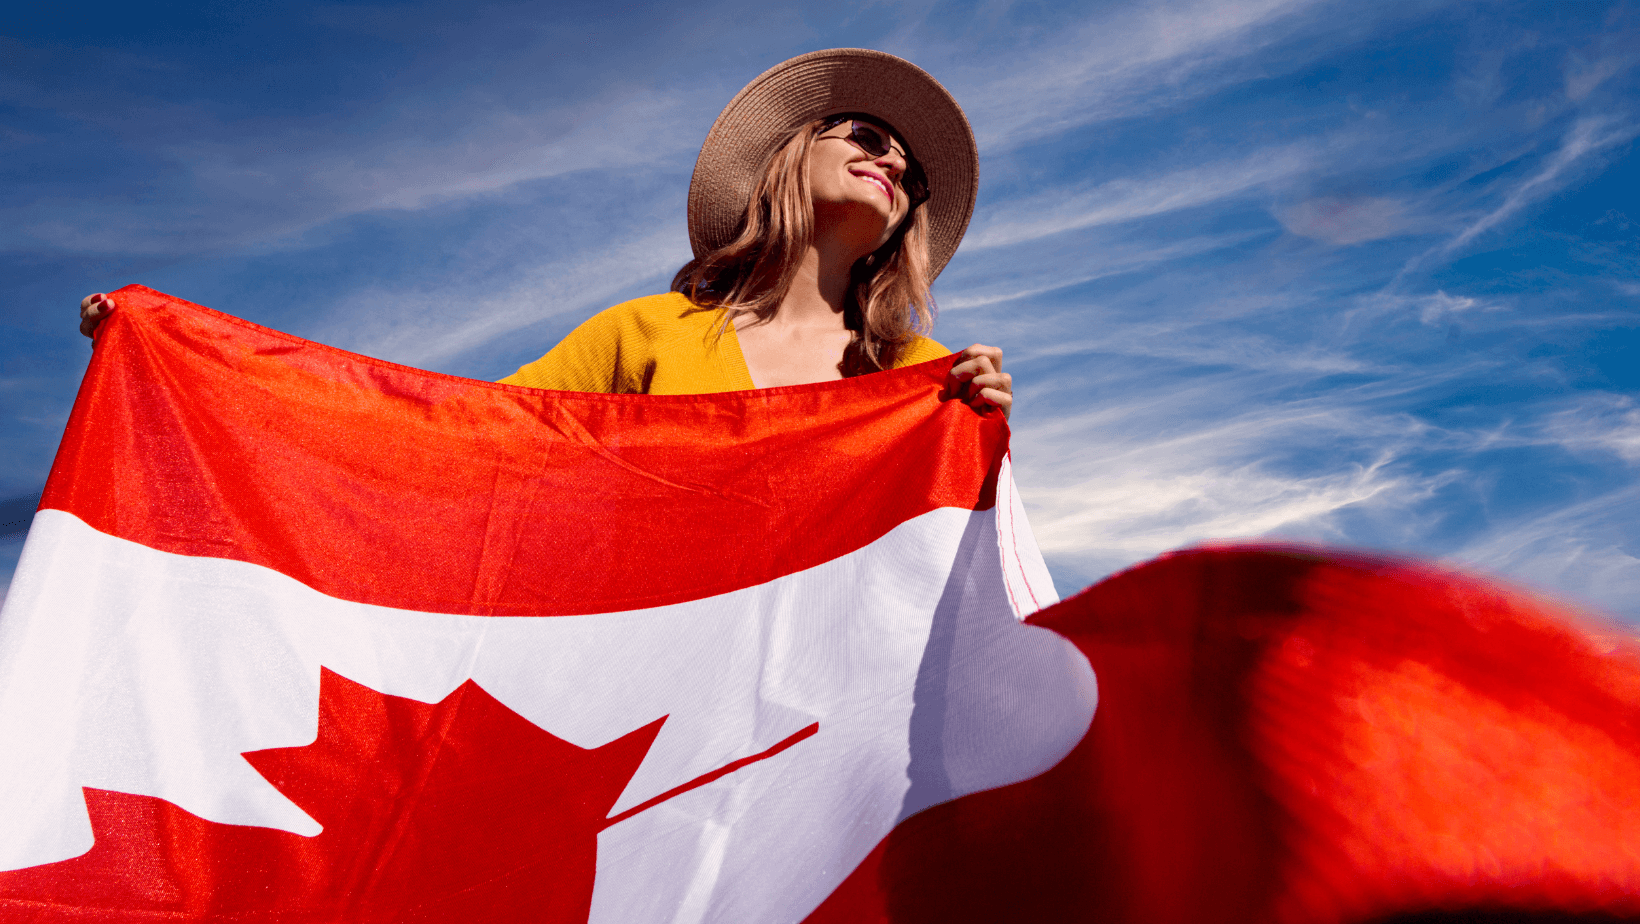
(303, 636)
(300, 635)
(1301, 737)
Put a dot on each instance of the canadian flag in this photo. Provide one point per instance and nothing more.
(303, 636)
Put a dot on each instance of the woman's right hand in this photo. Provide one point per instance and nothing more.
(978, 379)
(93, 309)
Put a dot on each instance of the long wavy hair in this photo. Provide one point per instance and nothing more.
(888, 302)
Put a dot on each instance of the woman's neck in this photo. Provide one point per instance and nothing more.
(819, 290)
(816, 297)
(806, 337)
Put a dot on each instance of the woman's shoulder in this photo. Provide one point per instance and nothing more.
(657, 314)
(610, 352)
(920, 350)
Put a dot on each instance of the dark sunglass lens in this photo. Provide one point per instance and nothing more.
(915, 183)
(869, 139)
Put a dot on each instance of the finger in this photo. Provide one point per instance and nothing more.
(1001, 381)
(991, 397)
(956, 381)
(99, 306)
(93, 310)
(979, 365)
(972, 386)
(994, 354)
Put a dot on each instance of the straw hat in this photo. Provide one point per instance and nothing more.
(823, 83)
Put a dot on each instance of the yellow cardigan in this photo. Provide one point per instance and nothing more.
(658, 345)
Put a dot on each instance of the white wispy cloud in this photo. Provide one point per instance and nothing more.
(1153, 468)
(1131, 480)
(1192, 344)
(1591, 422)
(1132, 515)
(1585, 550)
(1129, 59)
(279, 180)
(1440, 307)
(986, 279)
(1586, 136)
(1582, 76)
(1366, 315)
(1128, 198)
(424, 327)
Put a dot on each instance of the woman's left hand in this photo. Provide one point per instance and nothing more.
(979, 381)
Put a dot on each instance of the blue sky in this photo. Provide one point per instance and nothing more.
(1364, 274)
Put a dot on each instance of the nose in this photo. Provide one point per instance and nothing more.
(891, 162)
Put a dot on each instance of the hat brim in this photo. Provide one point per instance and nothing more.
(792, 94)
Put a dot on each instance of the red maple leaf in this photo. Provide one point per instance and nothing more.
(458, 811)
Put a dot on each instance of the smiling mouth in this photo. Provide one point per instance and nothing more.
(878, 182)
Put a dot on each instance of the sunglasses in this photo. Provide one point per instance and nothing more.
(877, 142)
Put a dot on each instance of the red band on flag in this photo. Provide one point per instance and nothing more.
(443, 494)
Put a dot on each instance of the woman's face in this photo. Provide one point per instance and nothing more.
(851, 187)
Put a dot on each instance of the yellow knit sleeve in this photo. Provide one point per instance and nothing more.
(602, 355)
(921, 350)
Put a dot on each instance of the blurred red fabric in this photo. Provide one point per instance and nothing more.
(1297, 735)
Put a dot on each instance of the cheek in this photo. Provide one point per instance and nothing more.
(816, 180)
(823, 182)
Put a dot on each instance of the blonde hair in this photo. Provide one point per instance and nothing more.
(888, 299)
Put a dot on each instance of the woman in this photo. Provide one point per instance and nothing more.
(827, 196)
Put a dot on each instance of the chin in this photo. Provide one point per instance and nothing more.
(871, 218)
